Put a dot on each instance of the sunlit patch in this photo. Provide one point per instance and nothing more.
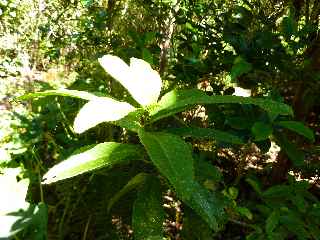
(242, 92)
(101, 109)
(75, 165)
(142, 82)
(13, 192)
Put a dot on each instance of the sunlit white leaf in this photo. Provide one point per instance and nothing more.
(142, 82)
(100, 110)
(13, 192)
(148, 82)
(117, 68)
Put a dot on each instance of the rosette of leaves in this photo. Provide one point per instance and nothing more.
(167, 150)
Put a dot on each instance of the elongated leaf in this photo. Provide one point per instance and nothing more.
(205, 171)
(207, 133)
(239, 123)
(240, 66)
(148, 214)
(173, 157)
(142, 82)
(100, 110)
(132, 184)
(272, 222)
(288, 26)
(208, 205)
(295, 155)
(299, 201)
(297, 127)
(194, 227)
(278, 191)
(102, 155)
(60, 92)
(261, 131)
(245, 212)
(255, 184)
(295, 225)
(180, 100)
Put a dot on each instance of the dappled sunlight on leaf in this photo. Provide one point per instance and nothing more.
(102, 155)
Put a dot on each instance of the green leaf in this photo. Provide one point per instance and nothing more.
(240, 66)
(194, 227)
(102, 155)
(314, 230)
(131, 121)
(206, 171)
(147, 55)
(239, 123)
(173, 157)
(233, 192)
(101, 109)
(37, 228)
(297, 127)
(261, 131)
(295, 155)
(180, 100)
(245, 212)
(154, 238)
(207, 133)
(281, 234)
(299, 201)
(209, 205)
(258, 234)
(132, 184)
(294, 223)
(278, 191)
(255, 184)
(149, 37)
(272, 222)
(148, 214)
(289, 26)
(60, 92)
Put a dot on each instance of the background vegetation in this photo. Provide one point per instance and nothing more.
(260, 169)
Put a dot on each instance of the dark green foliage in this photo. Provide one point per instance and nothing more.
(213, 164)
(148, 214)
(287, 209)
(176, 101)
(205, 133)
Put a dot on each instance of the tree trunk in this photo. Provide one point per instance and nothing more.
(167, 31)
